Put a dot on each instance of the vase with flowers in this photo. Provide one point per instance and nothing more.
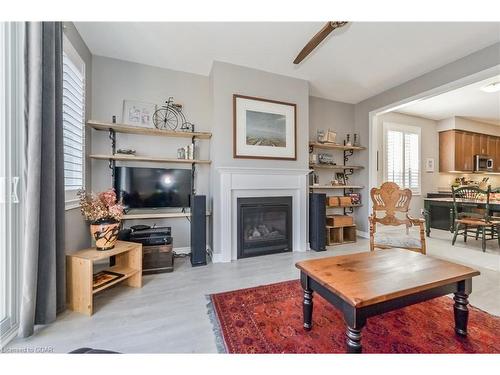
(104, 214)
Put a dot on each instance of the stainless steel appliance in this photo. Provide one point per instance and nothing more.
(483, 163)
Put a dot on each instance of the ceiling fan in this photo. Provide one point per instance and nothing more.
(318, 38)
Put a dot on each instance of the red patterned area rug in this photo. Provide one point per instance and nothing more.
(268, 319)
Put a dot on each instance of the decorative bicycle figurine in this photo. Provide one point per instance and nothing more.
(170, 115)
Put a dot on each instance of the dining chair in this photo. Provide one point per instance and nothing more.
(470, 219)
(388, 201)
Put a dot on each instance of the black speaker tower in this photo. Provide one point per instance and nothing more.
(198, 231)
(317, 221)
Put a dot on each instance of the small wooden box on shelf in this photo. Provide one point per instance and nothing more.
(79, 273)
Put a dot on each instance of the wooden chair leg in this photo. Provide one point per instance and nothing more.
(457, 227)
(465, 232)
(498, 234)
(483, 244)
(477, 233)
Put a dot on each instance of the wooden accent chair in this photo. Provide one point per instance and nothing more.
(390, 199)
(469, 219)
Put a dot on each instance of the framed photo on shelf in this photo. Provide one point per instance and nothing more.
(264, 129)
(138, 113)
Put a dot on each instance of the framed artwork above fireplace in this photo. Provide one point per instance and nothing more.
(264, 129)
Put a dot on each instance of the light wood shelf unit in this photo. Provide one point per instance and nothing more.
(118, 157)
(79, 273)
(130, 129)
(340, 235)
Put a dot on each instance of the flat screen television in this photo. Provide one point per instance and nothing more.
(153, 187)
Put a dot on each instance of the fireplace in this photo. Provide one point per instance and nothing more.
(264, 226)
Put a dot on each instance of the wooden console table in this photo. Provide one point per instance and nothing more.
(79, 273)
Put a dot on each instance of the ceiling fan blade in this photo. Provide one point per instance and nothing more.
(317, 39)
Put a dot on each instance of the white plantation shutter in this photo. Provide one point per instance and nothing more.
(73, 122)
(402, 155)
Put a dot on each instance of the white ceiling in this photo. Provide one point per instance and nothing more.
(352, 64)
(468, 101)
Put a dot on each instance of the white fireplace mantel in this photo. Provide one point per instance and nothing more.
(233, 183)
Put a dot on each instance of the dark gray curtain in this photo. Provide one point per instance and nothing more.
(43, 269)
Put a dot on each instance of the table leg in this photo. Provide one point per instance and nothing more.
(308, 308)
(461, 313)
(353, 339)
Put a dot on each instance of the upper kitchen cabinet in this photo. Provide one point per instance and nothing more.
(457, 149)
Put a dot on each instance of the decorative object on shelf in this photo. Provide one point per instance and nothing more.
(181, 153)
(138, 113)
(320, 136)
(331, 136)
(355, 198)
(105, 277)
(313, 158)
(339, 179)
(104, 214)
(170, 116)
(356, 142)
(314, 179)
(126, 151)
(429, 165)
(348, 140)
(263, 129)
(326, 159)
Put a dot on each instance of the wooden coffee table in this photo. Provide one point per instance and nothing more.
(367, 284)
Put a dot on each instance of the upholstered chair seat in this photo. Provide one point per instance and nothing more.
(397, 240)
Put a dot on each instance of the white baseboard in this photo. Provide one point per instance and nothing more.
(362, 234)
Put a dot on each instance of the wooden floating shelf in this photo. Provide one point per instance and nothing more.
(338, 167)
(148, 159)
(336, 187)
(130, 129)
(335, 146)
(351, 205)
(158, 215)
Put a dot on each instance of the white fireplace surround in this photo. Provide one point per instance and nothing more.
(234, 183)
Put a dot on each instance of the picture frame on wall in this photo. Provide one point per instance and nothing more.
(138, 113)
(264, 129)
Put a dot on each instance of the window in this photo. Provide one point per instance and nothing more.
(11, 174)
(402, 155)
(73, 121)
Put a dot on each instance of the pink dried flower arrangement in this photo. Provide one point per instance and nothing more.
(100, 207)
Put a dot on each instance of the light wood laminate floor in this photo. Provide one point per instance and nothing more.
(169, 314)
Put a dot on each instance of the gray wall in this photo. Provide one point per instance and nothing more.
(429, 148)
(76, 230)
(484, 59)
(116, 80)
(228, 79)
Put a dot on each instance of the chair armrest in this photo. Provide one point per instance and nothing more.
(416, 221)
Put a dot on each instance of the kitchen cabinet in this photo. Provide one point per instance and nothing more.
(496, 161)
(458, 147)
